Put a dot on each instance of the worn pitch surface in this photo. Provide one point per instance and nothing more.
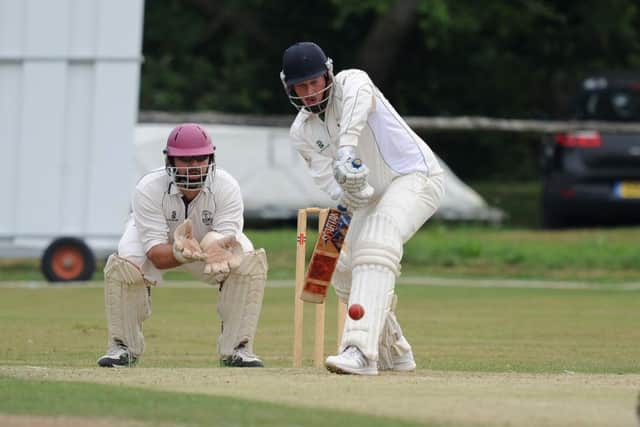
(425, 396)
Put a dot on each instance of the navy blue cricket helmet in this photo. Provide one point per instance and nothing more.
(305, 61)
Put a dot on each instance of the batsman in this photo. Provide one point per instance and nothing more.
(392, 191)
(188, 214)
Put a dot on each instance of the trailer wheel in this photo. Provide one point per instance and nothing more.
(68, 259)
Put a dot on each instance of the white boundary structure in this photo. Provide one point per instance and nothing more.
(417, 123)
(274, 179)
(69, 86)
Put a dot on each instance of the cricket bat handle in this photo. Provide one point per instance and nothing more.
(326, 251)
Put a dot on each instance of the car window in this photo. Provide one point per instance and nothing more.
(623, 105)
(612, 104)
(591, 104)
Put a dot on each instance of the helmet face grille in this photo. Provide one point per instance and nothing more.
(193, 177)
(317, 108)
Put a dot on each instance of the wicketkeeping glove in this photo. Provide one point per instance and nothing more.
(185, 247)
(221, 255)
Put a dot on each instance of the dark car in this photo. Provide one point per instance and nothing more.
(592, 177)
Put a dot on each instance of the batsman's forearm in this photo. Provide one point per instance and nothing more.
(162, 256)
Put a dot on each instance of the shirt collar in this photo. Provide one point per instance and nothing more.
(305, 114)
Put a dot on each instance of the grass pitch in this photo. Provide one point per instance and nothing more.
(486, 356)
(277, 397)
(488, 352)
(451, 328)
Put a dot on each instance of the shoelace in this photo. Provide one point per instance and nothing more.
(351, 350)
(353, 353)
(116, 350)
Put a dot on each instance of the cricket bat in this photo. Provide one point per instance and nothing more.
(325, 255)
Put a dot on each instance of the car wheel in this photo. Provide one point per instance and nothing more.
(68, 259)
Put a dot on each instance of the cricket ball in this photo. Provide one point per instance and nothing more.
(356, 311)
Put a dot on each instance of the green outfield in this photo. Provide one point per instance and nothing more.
(509, 327)
(452, 328)
(593, 255)
(507, 349)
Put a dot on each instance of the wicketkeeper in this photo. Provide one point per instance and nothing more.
(399, 186)
(186, 214)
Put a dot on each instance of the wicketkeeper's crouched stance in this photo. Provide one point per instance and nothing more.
(186, 214)
(393, 190)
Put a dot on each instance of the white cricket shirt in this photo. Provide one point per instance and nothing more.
(158, 208)
(360, 116)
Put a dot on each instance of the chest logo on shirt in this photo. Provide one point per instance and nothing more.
(174, 216)
(207, 217)
(322, 145)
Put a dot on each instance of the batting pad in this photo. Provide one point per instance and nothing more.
(127, 299)
(240, 302)
(377, 251)
(379, 243)
(372, 288)
(341, 279)
(392, 342)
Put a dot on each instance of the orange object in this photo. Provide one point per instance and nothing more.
(298, 320)
(325, 256)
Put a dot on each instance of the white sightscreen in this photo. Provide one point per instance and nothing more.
(69, 77)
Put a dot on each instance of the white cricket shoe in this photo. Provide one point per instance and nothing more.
(242, 358)
(351, 361)
(118, 356)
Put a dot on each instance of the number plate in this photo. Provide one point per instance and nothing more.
(627, 190)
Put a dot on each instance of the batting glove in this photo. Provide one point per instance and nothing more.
(348, 171)
(358, 199)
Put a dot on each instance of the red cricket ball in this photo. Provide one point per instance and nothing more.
(356, 311)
